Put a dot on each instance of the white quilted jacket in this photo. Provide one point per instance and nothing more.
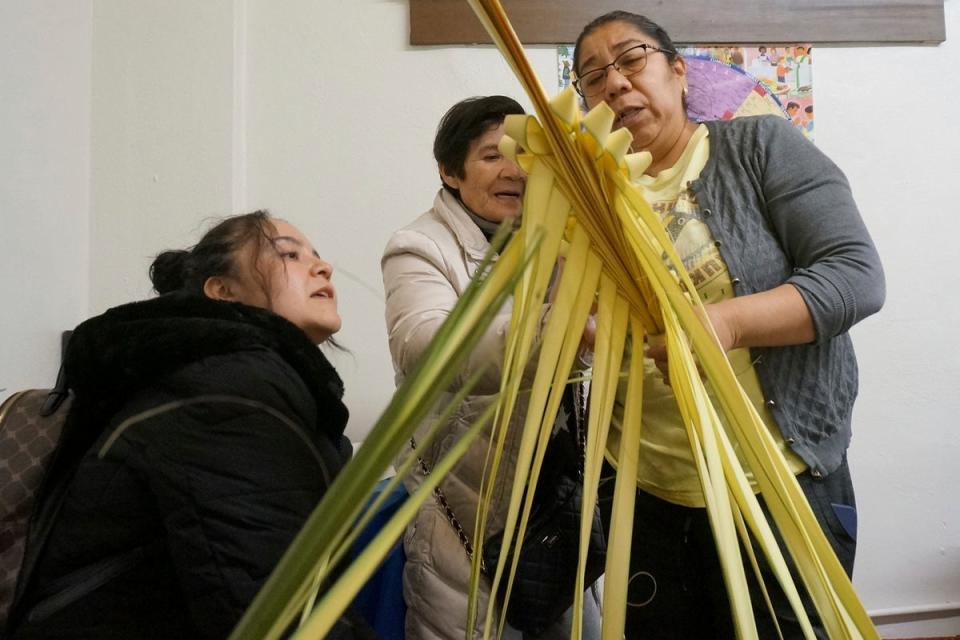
(427, 265)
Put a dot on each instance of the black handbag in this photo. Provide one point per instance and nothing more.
(546, 572)
(543, 585)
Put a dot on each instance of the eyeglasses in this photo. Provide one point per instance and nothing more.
(631, 61)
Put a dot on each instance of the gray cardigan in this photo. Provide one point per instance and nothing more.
(781, 211)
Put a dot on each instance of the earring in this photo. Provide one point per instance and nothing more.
(684, 93)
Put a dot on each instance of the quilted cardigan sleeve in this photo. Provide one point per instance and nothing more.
(811, 209)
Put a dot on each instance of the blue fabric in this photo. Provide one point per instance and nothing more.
(847, 516)
(380, 602)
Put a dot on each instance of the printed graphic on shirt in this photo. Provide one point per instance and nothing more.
(671, 198)
(695, 245)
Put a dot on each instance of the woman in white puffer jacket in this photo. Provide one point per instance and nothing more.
(427, 265)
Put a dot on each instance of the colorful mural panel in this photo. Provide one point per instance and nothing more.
(728, 81)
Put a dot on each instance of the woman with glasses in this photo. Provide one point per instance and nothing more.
(427, 266)
(768, 229)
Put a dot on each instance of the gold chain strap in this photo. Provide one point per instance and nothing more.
(448, 510)
(579, 411)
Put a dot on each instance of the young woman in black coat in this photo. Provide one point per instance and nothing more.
(205, 428)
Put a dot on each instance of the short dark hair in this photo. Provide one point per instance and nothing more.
(463, 123)
(215, 255)
(646, 26)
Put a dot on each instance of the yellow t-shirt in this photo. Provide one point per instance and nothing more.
(666, 467)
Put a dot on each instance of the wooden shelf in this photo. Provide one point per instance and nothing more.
(850, 22)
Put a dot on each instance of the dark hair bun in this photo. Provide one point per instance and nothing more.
(169, 271)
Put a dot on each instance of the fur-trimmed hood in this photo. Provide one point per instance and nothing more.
(113, 355)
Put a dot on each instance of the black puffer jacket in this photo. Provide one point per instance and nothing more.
(238, 432)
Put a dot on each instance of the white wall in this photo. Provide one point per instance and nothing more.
(162, 142)
(888, 117)
(44, 184)
(322, 112)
